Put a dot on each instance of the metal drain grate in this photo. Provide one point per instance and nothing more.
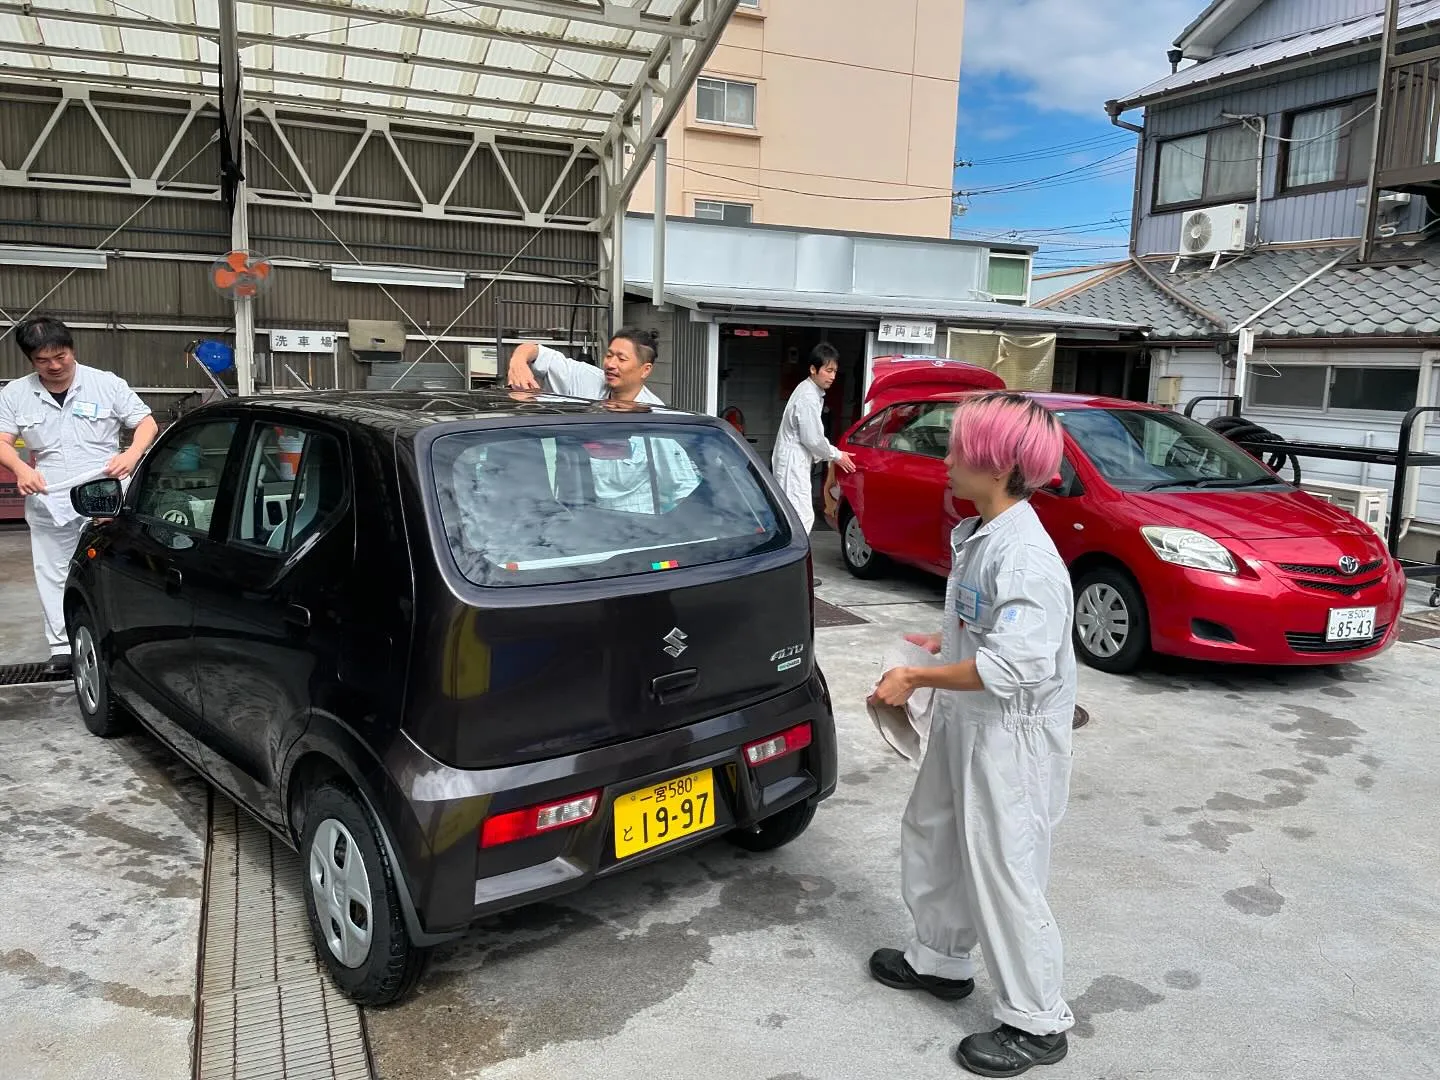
(268, 1011)
(20, 674)
(830, 615)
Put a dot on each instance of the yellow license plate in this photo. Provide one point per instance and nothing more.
(664, 812)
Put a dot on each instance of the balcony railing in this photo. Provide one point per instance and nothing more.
(1410, 146)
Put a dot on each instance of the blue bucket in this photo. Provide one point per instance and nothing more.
(216, 356)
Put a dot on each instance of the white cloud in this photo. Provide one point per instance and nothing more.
(1073, 55)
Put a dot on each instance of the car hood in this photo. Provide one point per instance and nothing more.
(1249, 515)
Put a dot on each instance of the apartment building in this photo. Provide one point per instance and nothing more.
(833, 114)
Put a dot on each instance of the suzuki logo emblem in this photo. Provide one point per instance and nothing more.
(675, 642)
(1349, 565)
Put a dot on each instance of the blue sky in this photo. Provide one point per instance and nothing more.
(1048, 166)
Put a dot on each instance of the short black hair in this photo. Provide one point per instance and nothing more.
(42, 332)
(646, 342)
(823, 354)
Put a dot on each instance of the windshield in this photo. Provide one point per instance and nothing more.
(527, 506)
(1140, 450)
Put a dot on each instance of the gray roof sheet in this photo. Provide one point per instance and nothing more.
(1401, 297)
(976, 312)
(1311, 43)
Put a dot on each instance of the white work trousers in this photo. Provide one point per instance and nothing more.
(51, 548)
(975, 858)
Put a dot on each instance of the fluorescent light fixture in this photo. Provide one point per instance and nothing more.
(398, 275)
(62, 258)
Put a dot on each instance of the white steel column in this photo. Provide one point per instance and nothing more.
(712, 369)
(232, 107)
(869, 372)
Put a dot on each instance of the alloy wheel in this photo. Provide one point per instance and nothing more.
(1103, 620)
(342, 893)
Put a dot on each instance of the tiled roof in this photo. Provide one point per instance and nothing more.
(1311, 44)
(1392, 297)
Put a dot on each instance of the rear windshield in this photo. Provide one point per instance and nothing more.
(527, 506)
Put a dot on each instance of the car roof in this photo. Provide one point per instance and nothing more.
(1044, 397)
(407, 412)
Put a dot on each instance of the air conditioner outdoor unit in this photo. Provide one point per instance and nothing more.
(1369, 504)
(1216, 230)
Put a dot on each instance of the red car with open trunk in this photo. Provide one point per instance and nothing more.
(1177, 540)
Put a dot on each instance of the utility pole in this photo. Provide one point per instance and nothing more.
(1382, 118)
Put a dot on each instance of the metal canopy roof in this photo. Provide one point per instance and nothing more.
(575, 69)
(753, 302)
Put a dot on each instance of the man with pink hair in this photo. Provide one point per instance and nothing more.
(975, 838)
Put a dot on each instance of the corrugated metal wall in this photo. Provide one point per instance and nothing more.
(189, 220)
(680, 372)
(1287, 219)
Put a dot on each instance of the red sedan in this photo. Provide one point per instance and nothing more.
(1177, 540)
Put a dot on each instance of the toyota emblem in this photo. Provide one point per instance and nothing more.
(1349, 565)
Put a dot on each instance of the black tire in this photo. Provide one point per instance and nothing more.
(777, 830)
(1225, 424)
(102, 715)
(378, 965)
(1110, 595)
(863, 561)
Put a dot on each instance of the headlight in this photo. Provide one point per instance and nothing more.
(1186, 547)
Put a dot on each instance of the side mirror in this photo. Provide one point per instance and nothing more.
(98, 498)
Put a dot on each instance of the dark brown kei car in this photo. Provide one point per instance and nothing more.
(462, 652)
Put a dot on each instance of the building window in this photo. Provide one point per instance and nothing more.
(1322, 388)
(1211, 167)
(1009, 278)
(724, 101)
(748, 3)
(732, 213)
(1328, 146)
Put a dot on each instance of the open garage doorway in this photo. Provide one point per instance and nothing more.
(761, 364)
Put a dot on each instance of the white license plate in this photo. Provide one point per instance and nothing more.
(1351, 624)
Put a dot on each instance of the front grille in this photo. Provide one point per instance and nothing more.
(1328, 571)
(1342, 588)
(1316, 643)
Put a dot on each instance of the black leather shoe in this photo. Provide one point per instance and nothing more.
(890, 967)
(59, 664)
(1008, 1051)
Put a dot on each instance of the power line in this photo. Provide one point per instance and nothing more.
(1107, 139)
(1021, 185)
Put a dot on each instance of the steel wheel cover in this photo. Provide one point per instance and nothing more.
(1103, 620)
(341, 889)
(86, 670)
(856, 549)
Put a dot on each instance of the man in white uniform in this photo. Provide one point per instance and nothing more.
(801, 441)
(621, 482)
(69, 416)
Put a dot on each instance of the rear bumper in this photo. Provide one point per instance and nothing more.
(452, 881)
(1265, 620)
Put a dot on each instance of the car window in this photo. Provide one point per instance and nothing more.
(869, 433)
(293, 482)
(1136, 450)
(922, 428)
(580, 502)
(181, 479)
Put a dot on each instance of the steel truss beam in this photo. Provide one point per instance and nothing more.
(552, 213)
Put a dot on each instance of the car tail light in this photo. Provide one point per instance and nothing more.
(515, 825)
(777, 746)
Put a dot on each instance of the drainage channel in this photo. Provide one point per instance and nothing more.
(23, 674)
(267, 1010)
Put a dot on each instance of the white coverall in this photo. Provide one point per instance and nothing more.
(799, 444)
(975, 838)
(621, 483)
(71, 443)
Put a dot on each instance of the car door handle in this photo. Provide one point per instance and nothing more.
(678, 684)
(173, 580)
(298, 617)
